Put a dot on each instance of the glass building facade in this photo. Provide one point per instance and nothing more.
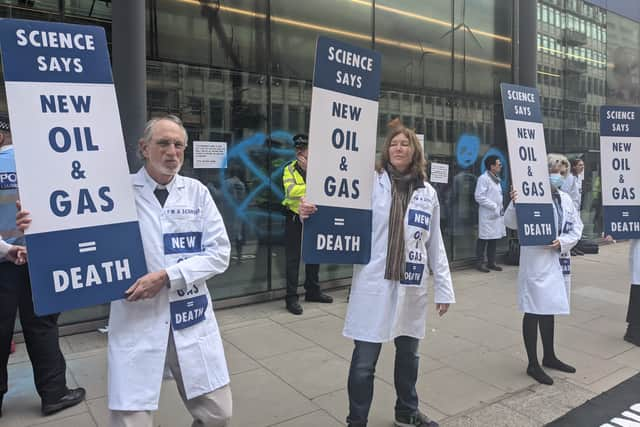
(240, 71)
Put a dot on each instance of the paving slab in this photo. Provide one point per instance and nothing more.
(312, 372)
(238, 361)
(266, 340)
(82, 420)
(451, 391)
(261, 399)
(495, 415)
(593, 343)
(315, 419)
(91, 372)
(500, 369)
(325, 331)
(610, 380)
(544, 404)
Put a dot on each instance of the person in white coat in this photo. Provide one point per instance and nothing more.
(388, 299)
(633, 312)
(573, 187)
(167, 318)
(491, 228)
(544, 277)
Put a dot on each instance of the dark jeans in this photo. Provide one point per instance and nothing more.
(40, 334)
(292, 251)
(490, 244)
(361, 375)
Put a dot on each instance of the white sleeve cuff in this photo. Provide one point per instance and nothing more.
(176, 281)
(4, 248)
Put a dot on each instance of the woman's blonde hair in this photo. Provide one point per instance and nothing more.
(418, 167)
(558, 160)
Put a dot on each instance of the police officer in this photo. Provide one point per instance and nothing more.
(293, 180)
(40, 332)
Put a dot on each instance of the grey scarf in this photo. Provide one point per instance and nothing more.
(402, 186)
(495, 178)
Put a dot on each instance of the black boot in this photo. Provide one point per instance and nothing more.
(480, 267)
(294, 307)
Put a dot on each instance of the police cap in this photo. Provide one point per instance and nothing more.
(300, 140)
(4, 122)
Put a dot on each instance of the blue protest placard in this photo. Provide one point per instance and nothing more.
(620, 162)
(529, 169)
(84, 242)
(342, 147)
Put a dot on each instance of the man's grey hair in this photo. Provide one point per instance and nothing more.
(148, 127)
(148, 130)
(555, 159)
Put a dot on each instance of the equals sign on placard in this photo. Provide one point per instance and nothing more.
(338, 221)
(536, 214)
(190, 304)
(625, 213)
(87, 247)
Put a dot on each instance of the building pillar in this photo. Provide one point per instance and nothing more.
(528, 40)
(129, 72)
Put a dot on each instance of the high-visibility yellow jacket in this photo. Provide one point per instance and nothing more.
(294, 187)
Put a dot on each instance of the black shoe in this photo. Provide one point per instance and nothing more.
(558, 365)
(318, 297)
(1, 397)
(71, 398)
(536, 372)
(494, 267)
(418, 420)
(294, 307)
(633, 339)
(482, 268)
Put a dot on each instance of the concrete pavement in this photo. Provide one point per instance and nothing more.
(291, 371)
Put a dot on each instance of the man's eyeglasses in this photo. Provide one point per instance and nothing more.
(165, 143)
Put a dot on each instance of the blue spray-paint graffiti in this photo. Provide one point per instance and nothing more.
(256, 146)
(505, 166)
(467, 150)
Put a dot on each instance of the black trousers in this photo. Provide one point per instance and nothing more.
(490, 245)
(40, 334)
(292, 251)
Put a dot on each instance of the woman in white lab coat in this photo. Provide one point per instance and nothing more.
(633, 312)
(388, 298)
(573, 187)
(544, 277)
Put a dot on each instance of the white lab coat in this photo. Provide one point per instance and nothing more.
(573, 187)
(139, 331)
(380, 310)
(488, 195)
(634, 261)
(544, 277)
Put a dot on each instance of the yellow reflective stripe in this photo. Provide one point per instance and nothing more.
(288, 189)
